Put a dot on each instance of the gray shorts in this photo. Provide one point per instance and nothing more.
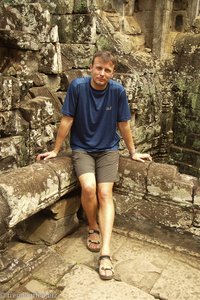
(103, 164)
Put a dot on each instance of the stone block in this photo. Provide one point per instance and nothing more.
(14, 152)
(132, 178)
(40, 229)
(167, 214)
(82, 7)
(165, 183)
(9, 93)
(82, 275)
(50, 59)
(60, 7)
(130, 26)
(64, 207)
(197, 195)
(12, 123)
(35, 19)
(63, 167)
(21, 63)
(40, 110)
(176, 285)
(41, 139)
(196, 221)
(19, 40)
(28, 190)
(76, 56)
(76, 29)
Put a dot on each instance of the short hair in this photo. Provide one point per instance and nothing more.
(106, 56)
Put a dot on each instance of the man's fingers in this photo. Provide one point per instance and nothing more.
(142, 157)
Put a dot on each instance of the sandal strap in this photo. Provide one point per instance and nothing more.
(92, 231)
(93, 241)
(106, 267)
(106, 257)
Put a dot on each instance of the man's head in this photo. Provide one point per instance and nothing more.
(106, 56)
(102, 69)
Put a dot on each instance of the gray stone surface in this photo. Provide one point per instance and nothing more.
(178, 281)
(95, 288)
(145, 269)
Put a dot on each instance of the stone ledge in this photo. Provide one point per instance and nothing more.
(153, 192)
(159, 195)
(26, 191)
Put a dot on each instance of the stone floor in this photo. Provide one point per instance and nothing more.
(145, 269)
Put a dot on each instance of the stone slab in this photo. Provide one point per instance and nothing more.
(178, 281)
(95, 288)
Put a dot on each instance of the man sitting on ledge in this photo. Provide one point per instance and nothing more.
(93, 109)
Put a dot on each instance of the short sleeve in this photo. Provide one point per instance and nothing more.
(70, 102)
(123, 108)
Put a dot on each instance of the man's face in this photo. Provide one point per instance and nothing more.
(101, 72)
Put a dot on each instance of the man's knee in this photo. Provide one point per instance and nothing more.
(89, 188)
(104, 194)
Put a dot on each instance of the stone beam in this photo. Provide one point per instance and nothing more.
(26, 191)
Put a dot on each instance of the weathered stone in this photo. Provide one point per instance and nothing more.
(12, 123)
(84, 276)
(21, 63)
(166, 183)
(41, 139)
(39, 289)
(19, 40)
(4, 231)
(130, 26)
(197, 195)
(76, 29)
(180, 286)
(44, 185)
(60, 7)
(76, 56)
(64, 207)
(13, 152)
(41, 110)
(18, 260)
(50, 62)
(10, 18)
(83, 6)
(9, 93)
(40, 229)
(35, 20)
(132, 176)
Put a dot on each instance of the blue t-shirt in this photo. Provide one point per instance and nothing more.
(96, 114)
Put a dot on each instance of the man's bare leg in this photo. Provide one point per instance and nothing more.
(106, 217)
(90, 203)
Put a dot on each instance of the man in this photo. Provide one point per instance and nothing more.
(93, 110)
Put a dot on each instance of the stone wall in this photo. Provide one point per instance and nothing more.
(185, 150)
(44, 45)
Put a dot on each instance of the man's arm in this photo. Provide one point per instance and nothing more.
(63, 131)
(125, 130)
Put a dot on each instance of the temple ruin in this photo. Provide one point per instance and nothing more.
(46, 44)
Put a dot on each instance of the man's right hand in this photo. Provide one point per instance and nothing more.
(46, 155)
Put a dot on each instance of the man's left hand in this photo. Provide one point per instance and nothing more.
(141, 157)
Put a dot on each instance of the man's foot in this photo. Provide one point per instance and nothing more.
(106, 270)
(93, 240)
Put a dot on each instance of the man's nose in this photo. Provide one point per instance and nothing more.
(102, 72)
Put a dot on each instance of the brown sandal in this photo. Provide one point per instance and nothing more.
(91, 242)
(105, 264)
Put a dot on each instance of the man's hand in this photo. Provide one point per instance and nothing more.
(46, 155)
(141, 157)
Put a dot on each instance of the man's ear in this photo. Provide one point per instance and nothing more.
(90, 67)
